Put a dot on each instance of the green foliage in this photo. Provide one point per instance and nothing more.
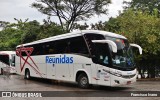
(112, 25)
(71, 11)
(142, 28)
(14, 34)
(98, 26)
(145, 5)
(139, 27)
(49, 29)
(30, 31)
(3, 24)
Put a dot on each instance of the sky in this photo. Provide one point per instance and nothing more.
(21, 9)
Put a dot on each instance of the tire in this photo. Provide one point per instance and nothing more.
(2, 72)
(83, 81)
(27, 75)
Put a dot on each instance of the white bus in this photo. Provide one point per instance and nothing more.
(86, 57)
(7, 62)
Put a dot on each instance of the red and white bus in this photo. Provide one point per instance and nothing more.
(86, 57)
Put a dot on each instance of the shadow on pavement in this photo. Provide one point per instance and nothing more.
(74, 85)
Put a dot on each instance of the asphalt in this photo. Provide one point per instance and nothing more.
(59, 90)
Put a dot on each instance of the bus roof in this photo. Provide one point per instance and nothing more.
(7, 52)
(74, 34)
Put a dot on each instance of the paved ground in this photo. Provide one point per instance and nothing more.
(18, 83)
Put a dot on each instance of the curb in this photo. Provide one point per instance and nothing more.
(149, 79)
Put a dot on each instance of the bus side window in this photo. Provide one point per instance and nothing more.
(77, 45)
(67, 49)
(61, 46)
(91, 36)
(102, 55)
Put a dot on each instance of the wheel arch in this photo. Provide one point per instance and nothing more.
(26, 69)
(79, 72)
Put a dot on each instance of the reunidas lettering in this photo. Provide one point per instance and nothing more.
(59, 60)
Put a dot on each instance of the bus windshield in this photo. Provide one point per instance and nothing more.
(4, 59)
(124, 56)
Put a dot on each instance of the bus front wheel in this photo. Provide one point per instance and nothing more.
(27, 74)
(83, 81)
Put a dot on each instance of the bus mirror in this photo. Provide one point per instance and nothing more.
(137, 46)
(111, 43)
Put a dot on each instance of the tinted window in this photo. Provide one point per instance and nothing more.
(24, 54)
(69, 45)
(89, 37)
(4, 59)
(13, 60)
(102, 53)
(77, 45)
(38, 49)
(49, 48)
(61, 46)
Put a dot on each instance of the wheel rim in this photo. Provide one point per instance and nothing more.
(84, 81)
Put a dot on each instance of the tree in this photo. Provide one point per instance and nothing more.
(98, 26)
(14, 34)
(142, 28)
(49, 29)
(80, 26)
(145, 5)
(10, 38)
(3, 24)
(30, 31)
(71, 11)
(112, 25)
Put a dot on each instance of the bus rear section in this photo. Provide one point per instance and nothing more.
(7, 62)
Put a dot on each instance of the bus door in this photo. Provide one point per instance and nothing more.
(100, 56)
(102, 61)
